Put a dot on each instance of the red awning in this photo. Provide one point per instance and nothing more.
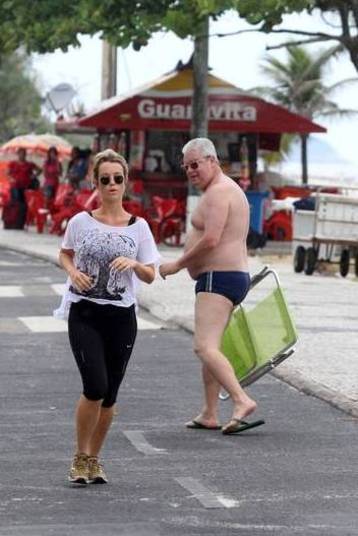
(166, 105)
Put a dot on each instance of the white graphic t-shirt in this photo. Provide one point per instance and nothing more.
(96, 245)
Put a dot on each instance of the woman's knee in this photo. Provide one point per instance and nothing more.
(95, 393)
(110, 400)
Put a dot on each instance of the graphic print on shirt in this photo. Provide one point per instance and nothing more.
(96, 250)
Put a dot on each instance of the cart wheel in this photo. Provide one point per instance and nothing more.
(344, 263)
(311, 259)
(299, 259)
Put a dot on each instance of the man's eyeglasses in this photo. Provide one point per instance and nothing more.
(106, 179)
(194, 164)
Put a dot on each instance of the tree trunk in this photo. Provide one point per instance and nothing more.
(199, 121)
(304, 139)
(109, 71)
(199, 124)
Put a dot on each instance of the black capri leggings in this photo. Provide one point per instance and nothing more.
(102, 339)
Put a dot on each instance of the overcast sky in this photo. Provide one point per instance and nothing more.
(234, 58)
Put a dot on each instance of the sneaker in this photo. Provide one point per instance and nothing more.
(96, 475)
(79, 469)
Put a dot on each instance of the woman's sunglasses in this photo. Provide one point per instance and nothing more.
(106, 179)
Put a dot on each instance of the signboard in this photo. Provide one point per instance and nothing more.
(219, 111)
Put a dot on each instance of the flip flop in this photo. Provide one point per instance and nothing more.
(196, 425)
(235, 426)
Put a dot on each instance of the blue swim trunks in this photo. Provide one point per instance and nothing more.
(233, 285)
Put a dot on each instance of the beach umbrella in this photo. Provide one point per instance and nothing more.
(37, 144)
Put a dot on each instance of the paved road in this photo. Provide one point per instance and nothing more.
(296, 475)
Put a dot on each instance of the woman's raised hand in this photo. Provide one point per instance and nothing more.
(81, 281)
(123, 263)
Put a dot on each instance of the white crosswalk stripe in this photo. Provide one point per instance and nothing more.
(19, 291)
(43, 324)
(46, 324)
(6, 264)
(58, 288)
(11, 291)
(49, 324)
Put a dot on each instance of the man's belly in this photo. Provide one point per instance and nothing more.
(227, 256)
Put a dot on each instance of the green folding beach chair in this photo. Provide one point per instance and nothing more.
(261, 333)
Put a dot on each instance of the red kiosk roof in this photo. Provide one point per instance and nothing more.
(166, 105)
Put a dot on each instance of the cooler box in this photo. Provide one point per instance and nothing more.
(257, 205)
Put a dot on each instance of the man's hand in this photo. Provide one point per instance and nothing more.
(169, 268)
(81, 281)
(123, 263)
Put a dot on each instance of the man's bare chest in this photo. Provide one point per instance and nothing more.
(198, 216)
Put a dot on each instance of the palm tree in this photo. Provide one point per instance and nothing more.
(299, 86)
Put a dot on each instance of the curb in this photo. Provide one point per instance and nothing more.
(318, 390)
(294, 378)
(31, 253)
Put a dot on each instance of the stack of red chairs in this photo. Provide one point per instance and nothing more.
(166, 218)
(63, 208)
(4, 183)
(134, 207)
(67, 203)
(160, 209)
(173, 226)
(4, 193)
(36, 211)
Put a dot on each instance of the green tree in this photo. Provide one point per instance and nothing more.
(51, 24)
(340, 16)
(298, 84)
(20, 100)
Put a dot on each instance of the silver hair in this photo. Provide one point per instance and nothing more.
(203, 145)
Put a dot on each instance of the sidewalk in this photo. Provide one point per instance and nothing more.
(324, 307)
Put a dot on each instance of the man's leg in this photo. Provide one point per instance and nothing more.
(208, 415)
(212, 312)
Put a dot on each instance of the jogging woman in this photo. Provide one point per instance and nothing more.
(104, 254)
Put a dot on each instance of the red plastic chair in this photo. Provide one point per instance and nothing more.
(4, 193)
(86, 199)
(64, 208)
(64, 196)
(137, 187)
(172, 228)
(134, 207)
(36, 211)
(161, 208)
(166, 218)
(73, 204)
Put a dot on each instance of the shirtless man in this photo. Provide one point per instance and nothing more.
(215, 256)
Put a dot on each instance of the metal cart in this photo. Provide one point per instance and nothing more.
(261, 333)
(327, 234)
